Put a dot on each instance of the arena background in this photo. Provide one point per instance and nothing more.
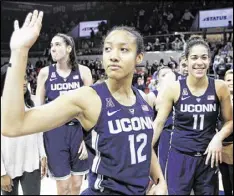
(161, 20)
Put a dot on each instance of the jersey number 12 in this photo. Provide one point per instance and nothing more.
(136, 156)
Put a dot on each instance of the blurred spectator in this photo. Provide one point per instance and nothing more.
(230, 27)
(154, 67)
(140, 84)
(141, 18)
(92, 37)
(161, 63)
(169, 20)
(165, 28)
(167, 44)
(218, 59)
(187, 19)
(146, 29)
(149, 47)
(177, 44)
(228, 47)
(156, 45)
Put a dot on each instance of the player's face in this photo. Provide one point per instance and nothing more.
(183, 67)
(59, 49)
(166, 75)
(229, 81)
(198, 61)
(120, 55)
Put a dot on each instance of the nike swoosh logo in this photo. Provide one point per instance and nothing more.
(183, 98)
(52, 79)
(112, 113)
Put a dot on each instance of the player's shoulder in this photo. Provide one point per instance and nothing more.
(44, 73)
(219, 83)
(220, 87)
(44, 70)
(84, 92)
(83, 69)
(172, 86)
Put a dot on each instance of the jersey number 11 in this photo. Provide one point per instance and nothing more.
(195, 122)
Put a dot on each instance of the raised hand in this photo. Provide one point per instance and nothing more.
(26, 36)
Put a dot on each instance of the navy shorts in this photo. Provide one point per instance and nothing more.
(186, 172)
(61, 146)
(90, 191)
(163, 148)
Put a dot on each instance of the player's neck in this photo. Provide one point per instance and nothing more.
(122, 87)
(62, 65)
(197, 82)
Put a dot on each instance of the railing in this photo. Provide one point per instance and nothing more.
(40, 46)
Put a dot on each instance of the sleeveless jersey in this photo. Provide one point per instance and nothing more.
(195, 118)
(120, 145)
(179, 76)
(56, 85)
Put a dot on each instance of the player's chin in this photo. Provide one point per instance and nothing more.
(115, 75)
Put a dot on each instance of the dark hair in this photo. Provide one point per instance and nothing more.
(27, 96)
(134, 32)
(72, 56)
(193, 41)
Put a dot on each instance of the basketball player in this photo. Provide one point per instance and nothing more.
(183, 68)
(114, 115)
(62, 144)
(164, 75)
(197, 100)
(226, 167)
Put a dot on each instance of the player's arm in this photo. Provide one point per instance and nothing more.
(157, 177)
(226, 110)
(86, 75)
(164, 107)
(40, 91)
(214, 149)
(41, 118)
(151, 99)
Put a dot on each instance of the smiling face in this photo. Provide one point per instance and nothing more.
(229, 81)
(198, 61)
(120, 54)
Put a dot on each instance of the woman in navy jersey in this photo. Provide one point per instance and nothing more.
(226, 167)
(196, 148)
(66, 152)
(116, 118)
(164, 75)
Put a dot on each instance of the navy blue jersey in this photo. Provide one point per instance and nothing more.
(195, 118)
(179, 76)
(56, 85)
(119, 145)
